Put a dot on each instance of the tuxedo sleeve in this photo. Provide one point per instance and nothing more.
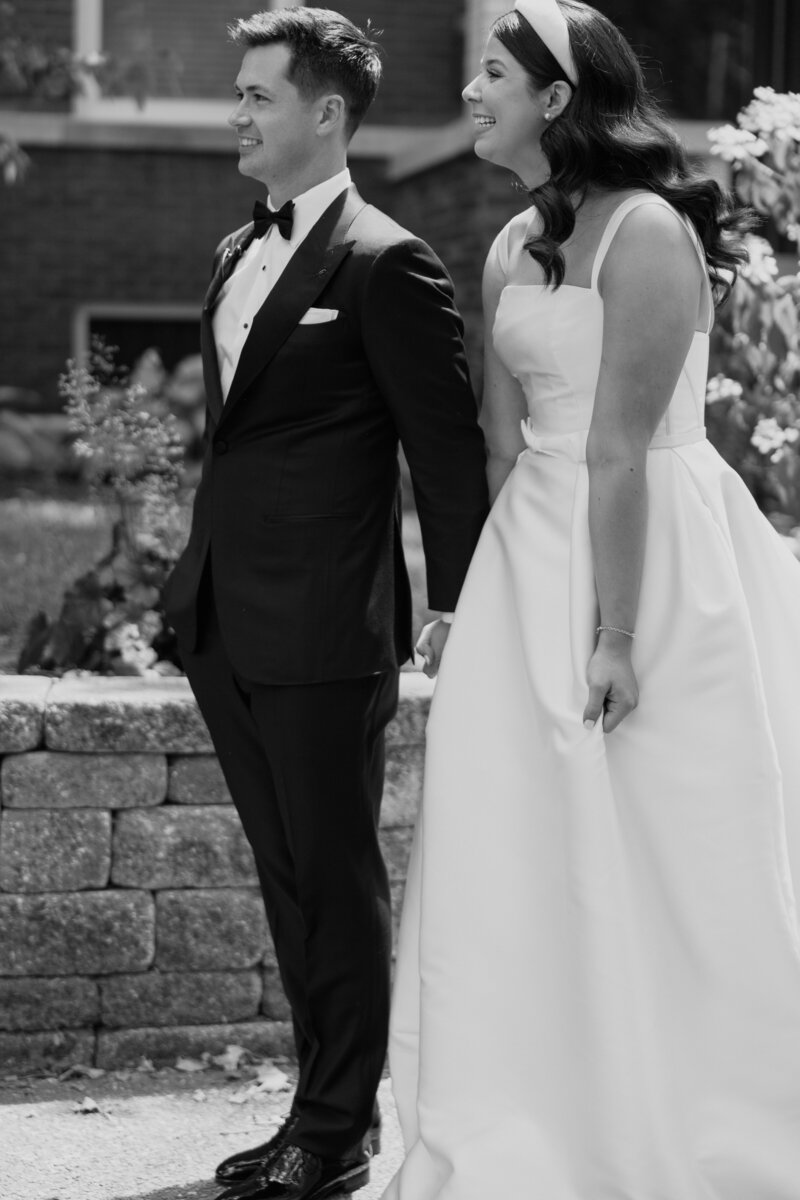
(413, 337)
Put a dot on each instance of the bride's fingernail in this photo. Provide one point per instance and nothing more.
(587, 724)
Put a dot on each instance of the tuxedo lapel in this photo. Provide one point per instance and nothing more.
(308, 271)
(237, 244)
(233, 251)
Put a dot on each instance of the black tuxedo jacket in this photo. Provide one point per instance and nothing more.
(298, 506)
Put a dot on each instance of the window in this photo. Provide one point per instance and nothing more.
(171, 329)
(175, 51)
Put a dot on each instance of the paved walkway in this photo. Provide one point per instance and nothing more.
(156, 1136)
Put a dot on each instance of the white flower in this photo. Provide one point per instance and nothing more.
(761, 266)
(127, 641)
(769, 438)
(719, 387)
(735, 145)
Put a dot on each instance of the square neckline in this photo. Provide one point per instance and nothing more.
(612, 225)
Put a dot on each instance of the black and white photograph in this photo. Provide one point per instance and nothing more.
(399, 600)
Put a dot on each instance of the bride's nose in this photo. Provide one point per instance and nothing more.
(471, 93)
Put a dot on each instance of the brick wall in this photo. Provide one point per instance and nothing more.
(422, 40)
(423, 61)
(130, 919)
(458, 207)
(99, 225)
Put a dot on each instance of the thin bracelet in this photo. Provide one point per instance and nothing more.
(613, 629)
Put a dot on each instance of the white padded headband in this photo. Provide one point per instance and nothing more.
(547, 19)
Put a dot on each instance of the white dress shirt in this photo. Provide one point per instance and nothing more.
(259, 269)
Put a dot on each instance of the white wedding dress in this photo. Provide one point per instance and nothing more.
(598, 982)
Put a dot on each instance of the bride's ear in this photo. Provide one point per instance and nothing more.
(558, 97)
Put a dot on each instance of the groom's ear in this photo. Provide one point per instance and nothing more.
(332, 115)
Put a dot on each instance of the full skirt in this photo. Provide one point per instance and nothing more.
(598, 982)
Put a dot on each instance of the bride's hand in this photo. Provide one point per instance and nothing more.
(430, 644)
(613, 690)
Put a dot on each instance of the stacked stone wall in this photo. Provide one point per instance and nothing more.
(131, 924)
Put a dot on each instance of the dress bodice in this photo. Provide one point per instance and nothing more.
(551, 340)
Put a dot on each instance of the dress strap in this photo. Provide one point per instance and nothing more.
(615, 220)
(618, 216)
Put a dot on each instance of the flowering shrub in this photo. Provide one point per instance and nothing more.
(753, 399)
(111, 619)
(764, 149)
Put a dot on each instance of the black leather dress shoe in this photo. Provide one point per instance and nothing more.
(244, 1164)
(296, 1174)
(241, 1166)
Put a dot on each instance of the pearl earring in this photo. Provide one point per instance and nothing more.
(547, 116)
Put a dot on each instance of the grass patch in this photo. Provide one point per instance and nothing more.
(46, 544)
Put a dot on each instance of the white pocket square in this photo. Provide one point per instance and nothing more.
(317, 316)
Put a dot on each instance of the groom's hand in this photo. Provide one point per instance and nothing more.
(430, 645)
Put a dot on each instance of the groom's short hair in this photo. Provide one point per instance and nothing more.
(327, 51)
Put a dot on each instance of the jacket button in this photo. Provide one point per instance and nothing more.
(221, 447)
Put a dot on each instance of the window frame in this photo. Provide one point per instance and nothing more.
(83, 314)
(91, 105)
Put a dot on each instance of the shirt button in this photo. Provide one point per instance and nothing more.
(245, 325)
(221, 447)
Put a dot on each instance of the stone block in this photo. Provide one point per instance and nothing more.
(176, 846)
(29, 1052)
(274, 1003)
(22, 711)
(125, 716)
(52, 779)
(85, 933)
(210, 930)
(396, 847)
(126, 1047)
(408, 726)
(45, 851)
(197, 779)
(402, 789)
(38, 1003)
(173, 998)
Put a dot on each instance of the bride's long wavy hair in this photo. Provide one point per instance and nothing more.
(612, 134)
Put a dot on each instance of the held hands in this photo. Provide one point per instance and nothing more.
(613, 691)
(430, 644)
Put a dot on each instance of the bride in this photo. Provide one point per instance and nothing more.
(598, 985)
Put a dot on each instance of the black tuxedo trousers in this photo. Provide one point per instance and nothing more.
(305, 766)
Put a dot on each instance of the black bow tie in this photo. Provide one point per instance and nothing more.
(263, 217)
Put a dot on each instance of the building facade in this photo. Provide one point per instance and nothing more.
(113, 229)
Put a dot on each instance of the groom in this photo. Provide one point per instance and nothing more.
(329, 333)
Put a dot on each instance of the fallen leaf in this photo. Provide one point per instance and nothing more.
(79, 1071)
(86, 1106)
(199, 1096)
(190, 1064)
(231, 1059)
(270, 1078)
(145, 1065)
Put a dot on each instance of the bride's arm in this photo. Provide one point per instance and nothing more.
(651, 285)
(503, 405)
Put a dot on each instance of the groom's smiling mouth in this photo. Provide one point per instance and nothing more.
(482, 121)
(246, 143)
